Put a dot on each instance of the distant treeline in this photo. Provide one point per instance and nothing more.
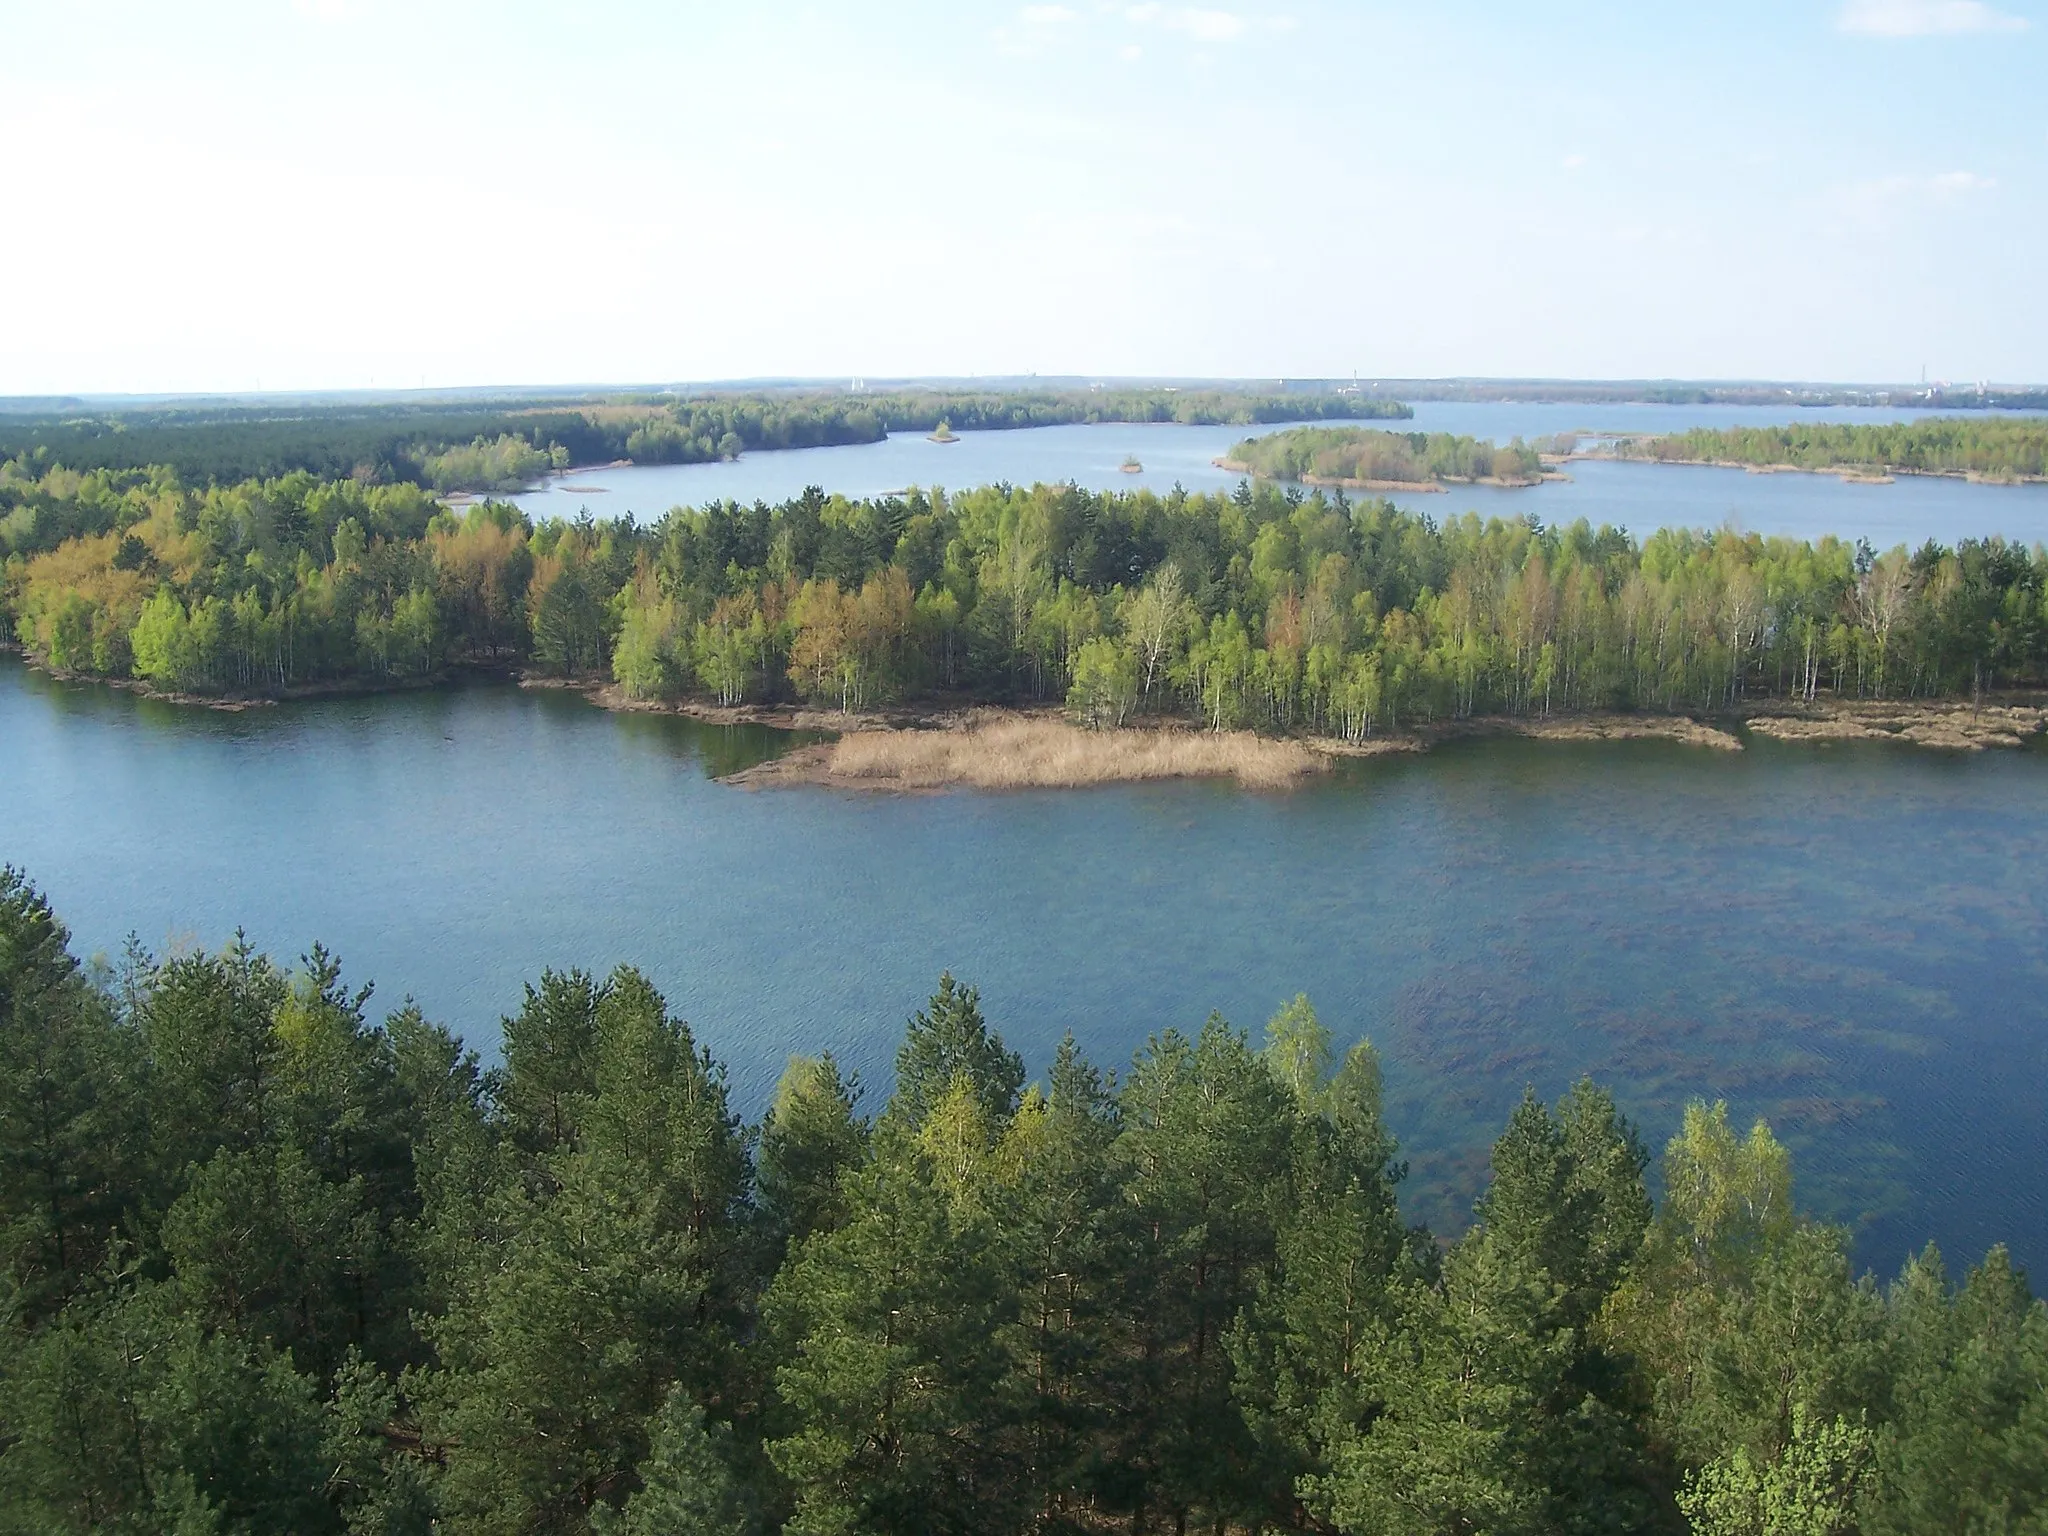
(1991, 447)
(1682, 392)
(1620, 392)
(723, 427)
(505, 446)
(1971, 399)
(377, 445)
(1262, 608)
(1334, 454)
(1189, 408)
(271, 1266)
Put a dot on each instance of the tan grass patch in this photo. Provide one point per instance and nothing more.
(1956, 727)
(1007, 753)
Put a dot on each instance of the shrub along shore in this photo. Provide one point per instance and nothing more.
(272, 1265)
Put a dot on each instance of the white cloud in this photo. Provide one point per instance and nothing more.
(1210, 26)
(1574, 162)
(1924, 18)
(1197, 22)
(1882, 202)
(325, 10)
(1037, 25)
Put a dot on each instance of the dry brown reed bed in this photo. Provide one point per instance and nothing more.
(1953, 726)
(999, 752)
(992, 748)
(1682, 729)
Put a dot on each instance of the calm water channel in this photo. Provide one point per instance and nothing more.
(1635, 496)
(1847, 939)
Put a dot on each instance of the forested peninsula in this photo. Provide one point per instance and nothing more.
(1264, 609)
(271, 1265)
(506, 445)
(1361, 458)
(2007, 449)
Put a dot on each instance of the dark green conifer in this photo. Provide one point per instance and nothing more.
(947, 1040)
(70, 1122)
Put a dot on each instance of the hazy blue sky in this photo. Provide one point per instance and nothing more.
(339, 192)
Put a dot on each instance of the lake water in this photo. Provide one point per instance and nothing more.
(1640, 497)
(1852, 940)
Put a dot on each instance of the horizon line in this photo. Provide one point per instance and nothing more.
(842, 382)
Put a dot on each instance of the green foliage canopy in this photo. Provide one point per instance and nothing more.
(270, 1265)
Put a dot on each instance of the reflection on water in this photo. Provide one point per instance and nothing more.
(1849, 939)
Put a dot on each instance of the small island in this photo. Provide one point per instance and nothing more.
(943, 433)
(1999, 450)
(1368, 459)
(1130, 465)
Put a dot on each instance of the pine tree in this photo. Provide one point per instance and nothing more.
(890, 1368)
(458, 1161)
(949, 1039)
(811, 1142)
(1438, 1434)
(261, 1243)
(1061, 1224)
(378, 1491)
(70, 1144)
(1204, 1125)
(1485, 1404)
(1343, 1258)
(900, 1396)
(687, 1486)
(216, 1058)
(1966, 1446)
(618, 1271)
(127, 1414)
(550, 1049)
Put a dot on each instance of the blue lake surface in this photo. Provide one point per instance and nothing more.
(1641, 497)
(1849, 939)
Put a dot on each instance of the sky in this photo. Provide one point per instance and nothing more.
(303, 194)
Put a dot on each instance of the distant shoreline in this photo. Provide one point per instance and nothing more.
(1850, 474)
